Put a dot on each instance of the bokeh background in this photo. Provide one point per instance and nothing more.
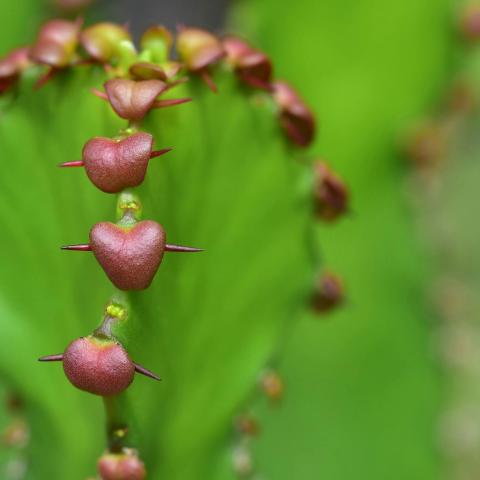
(386, 387)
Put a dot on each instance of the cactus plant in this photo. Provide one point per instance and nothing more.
(235, 183)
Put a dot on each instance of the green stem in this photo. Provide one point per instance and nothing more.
(117, 427)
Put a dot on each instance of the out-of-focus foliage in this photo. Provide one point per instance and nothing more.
(363, 389)
(210, 321)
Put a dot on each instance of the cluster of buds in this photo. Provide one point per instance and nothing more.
(140, 77)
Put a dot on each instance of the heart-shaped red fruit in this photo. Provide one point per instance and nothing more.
(130, 256)
(114, 165)
(132, 99)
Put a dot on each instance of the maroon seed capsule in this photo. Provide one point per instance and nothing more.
(56, 43)
(114, 165)
(124, 466)
(101, 40)
(252, 66)
(129, 256)
(328, 294)
(98, 366)
(330, 193)
(296, 118)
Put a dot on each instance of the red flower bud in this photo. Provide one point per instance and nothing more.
(198, 48)
(133, 99)
(56, 43)
(157, 41)
(11, 66)
(328, 293)
(252, 66)
(101, 40)
(296, 118)
(330, 193)
(272, 385)
(129, 256)
(124, 466)
(98, 366)
(113, 165)
(247, 425)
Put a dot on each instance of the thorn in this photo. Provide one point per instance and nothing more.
(158, 153)
(99, 94)
(52, 358)
(179, 248)
(207, 78)
(144, 371)
(176, 83)
(75, 163)
(171, 102)
(45, 78)
(84, 247)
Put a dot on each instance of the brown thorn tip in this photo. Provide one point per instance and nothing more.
(179, 248)
(171, 102)
(75, 163)
(52, 358)
(99, 94)
(144, 371)
(158, 153)
(207, 78)
(84, 247)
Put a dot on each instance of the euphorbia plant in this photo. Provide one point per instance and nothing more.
(234, 184)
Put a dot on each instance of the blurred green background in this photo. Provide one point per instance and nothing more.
(365, 389)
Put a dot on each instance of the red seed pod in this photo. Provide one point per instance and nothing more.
(98, 366)
(124, 466)
(470, 21)
(131, 99)
(330, 193)
(272, 385)
(427, 144)
(114, 165)
(56, 43)
(198, 48)
(11, 66)
(101, 40)
(296, 118)
(247, 425)
(328, 293)
(129, 256)
(252, 66)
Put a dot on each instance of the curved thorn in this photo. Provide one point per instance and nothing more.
(144, 371)
(52, 358)
(83, 247)
(179, 248)
(158, 153)
(99, 94)
(75, 163)
(207, 78)
(171, 102)
(45, 78)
